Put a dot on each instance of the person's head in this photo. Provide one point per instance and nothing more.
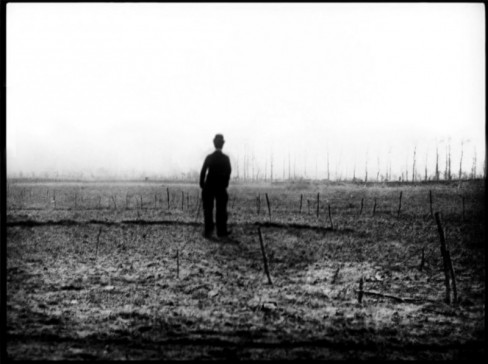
(219, 141)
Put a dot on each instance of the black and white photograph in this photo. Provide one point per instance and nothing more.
(244, 181)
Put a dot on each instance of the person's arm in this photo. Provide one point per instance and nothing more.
(228, 172)
(203, 172)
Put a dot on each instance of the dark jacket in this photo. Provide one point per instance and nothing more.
(218, 166)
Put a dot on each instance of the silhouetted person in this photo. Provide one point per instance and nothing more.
(214, 187)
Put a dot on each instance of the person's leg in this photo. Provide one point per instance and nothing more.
(221, 214)
(208, 202)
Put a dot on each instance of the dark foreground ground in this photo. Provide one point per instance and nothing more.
(91, 281)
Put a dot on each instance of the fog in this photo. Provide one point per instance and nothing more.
(141, 89)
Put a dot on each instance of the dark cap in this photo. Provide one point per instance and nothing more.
(219, 138)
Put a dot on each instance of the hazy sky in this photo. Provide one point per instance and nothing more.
(145, 87)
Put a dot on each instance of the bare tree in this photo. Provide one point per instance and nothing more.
(473, 168)
(414, 162)
(425, 170)
(437, 162)
(461, 160)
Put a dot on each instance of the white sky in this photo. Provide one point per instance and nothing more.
(145, 87)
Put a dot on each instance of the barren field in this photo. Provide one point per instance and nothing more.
(121, 271)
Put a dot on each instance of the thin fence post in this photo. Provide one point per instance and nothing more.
(301, 200)
(269, 207)
(362, 204)
(400, 203)
(374, 206)
(330, 218)
(167, 195)
(430, 202)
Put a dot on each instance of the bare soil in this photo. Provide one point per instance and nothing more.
(138, 280)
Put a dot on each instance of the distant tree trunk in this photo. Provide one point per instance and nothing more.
(414, 162)
(461, 161)
(378, 172)
(437, 163)
(473, 169)
(366, 172)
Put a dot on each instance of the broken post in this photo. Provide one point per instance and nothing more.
(400, 203)
(301, 200)
(362, 203)
(422, 260)
(167, 194)
(182, 200)
(265, 259)
(444, 257)
(374, 206)
(269, 207)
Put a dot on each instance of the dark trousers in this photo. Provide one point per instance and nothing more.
(220, 196)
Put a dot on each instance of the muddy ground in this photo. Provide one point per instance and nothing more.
(140, 282)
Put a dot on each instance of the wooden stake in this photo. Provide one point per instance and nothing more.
(453, 277)
(360, 292)
(444, 257)
(301, 200)
(430, 202)
(269, 207)
(258, 204)
(265, 259)
(422, 260)
(361, 210)
(182, 200)
(330, 218)
(400, 203)
(374, 207)
(167, 194)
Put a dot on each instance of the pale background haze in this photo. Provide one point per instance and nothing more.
(141, 89)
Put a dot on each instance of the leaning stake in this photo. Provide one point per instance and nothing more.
(269, 207)
(265, 259)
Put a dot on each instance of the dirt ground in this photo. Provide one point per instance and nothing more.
(139, 283)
